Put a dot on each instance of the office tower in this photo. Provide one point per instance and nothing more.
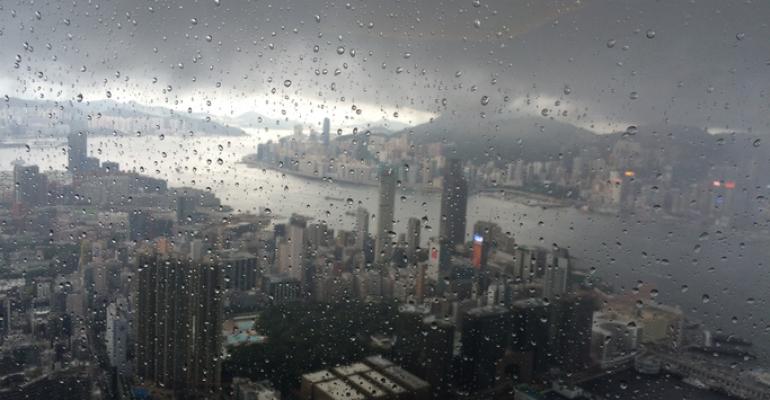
(385, 215)
(571, 321)
(185, 208)
(412, 239)
(436, 355)
(30, 185)
(178, 322)
(420, 284)
(362, 228)
(454, 203)
(485, 333)
(530, 339)
(326, 132)
(77, 153)
(116, 336)
(556, 277)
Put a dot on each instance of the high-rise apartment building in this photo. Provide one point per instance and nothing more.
(412, 239)
(178, 322)
(362, 228)
(385, 215)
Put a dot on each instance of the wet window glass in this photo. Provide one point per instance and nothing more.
(384, 199)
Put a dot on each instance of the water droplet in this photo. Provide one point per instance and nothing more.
(650, 34)
(477, 23)
(705, 299)
(756, 142)
(217, 2)
(740, 35)
(340, 50)
(631, 130)
(633, 95)
(611, 43)
(287, 83)
(317, 18)
(567, 90)
(484, 100)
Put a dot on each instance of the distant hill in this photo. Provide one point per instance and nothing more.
(693, 152)
(503, 139)
(31, 117)
(255, 120)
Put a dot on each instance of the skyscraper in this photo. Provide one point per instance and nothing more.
(178, 322)
(325, 133)
(77, 152)
(297, 247)
(412, 239)
(362, 228)
(454, 202)
(385, 215)
(484, 337)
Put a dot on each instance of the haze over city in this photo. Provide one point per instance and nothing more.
(304, 200)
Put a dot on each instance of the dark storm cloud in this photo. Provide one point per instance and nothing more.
(701, 63)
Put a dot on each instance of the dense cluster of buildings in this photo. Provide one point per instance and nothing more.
(626, 178)
(115, 269)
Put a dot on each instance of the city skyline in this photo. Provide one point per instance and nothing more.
(456, 200)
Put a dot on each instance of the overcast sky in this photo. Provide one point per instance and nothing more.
(599, 64)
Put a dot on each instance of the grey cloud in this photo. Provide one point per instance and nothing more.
(694, 71)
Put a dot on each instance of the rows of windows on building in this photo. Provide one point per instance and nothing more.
(162, 284)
